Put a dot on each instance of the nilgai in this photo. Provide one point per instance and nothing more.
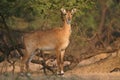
(56, 39)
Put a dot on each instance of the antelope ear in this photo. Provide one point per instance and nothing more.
(73, 11)
(63, 10)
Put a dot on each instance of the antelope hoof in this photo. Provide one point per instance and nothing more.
(22, 74)
(28, 74)
(60, 73)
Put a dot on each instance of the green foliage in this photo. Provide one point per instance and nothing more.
(22, 8)
(47, 10)
(42, 14)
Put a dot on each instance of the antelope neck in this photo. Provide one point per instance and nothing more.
(67, 29)
(67, 25)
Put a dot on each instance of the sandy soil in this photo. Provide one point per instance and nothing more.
(99, 70)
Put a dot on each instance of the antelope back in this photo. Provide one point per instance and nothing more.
(57, 38)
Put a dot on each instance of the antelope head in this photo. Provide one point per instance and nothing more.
(68, 15)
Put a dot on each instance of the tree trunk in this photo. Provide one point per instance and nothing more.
(103, 15)
(7, 29)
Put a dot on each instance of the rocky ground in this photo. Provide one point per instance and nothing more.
(105, 66)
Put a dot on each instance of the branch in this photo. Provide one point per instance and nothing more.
(44, 65)
(102, 19)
